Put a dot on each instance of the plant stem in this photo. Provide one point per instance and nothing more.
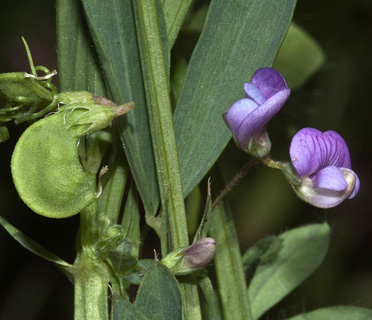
(241, 174)
(91, 285)
(154, 54)
(90, 272)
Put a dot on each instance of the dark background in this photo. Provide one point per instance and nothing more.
(336, 98)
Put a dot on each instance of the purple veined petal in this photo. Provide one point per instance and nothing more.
(254, 93)
(237, 113)
(308, 151)
(330, 178)
(268, 81)
(340, 155)
(253, 124)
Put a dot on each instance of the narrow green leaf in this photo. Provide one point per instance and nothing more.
(206, 286)
(298, 57)
(36, 248)
(158, 296)
(229, 269)
(109, 202)
(174, 12)
(113, 31)
(336, 313)
(78, 69)
(302, 251)
(124, 310)
(238, 38)
(131, 221)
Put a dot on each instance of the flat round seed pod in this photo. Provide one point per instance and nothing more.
(47, 172)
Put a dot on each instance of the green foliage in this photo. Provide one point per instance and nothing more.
(36, 248)
(158, 296)
(238, 38)
(336, 313)
(302, 251)
(113, 31)
(298, 57)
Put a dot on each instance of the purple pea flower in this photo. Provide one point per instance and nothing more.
(322, 160)
(266, 94)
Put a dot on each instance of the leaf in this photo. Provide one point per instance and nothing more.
(110, 200)
(113, 31)
(77, 62)
(158, 296)
(336, 313)
(302, 251)
(36, 248)
(174, 12)
(298, 57)
(124, 310)
(264, 250)
(131, 221)
(232, 286)
(238, 38)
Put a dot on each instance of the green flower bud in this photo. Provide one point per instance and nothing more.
(195, 257)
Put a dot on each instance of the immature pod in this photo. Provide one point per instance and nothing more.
(45, 164)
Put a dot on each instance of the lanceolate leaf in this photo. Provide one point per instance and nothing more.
(238, 38)
(159, 297)
(77, 63)
(301, 252)
(113, 31)
(36, 248)
(336, 313)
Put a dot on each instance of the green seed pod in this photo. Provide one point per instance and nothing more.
(45, 164)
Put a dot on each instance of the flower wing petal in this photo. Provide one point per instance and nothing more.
(237, 113)
(330, 178)
(254, 93)
(257, 119)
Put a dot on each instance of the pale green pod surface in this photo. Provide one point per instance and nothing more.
(47, 172)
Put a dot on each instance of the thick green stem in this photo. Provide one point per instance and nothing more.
(90, 272)
(91, 285)
(151, 30)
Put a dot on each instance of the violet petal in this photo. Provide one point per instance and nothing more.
(309, 151)
(239, 111)
(330, 178)
(268, 81)
(257, 119)
(254, 93)
(340, 155)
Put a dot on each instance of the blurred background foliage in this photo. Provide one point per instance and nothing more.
(336, 97)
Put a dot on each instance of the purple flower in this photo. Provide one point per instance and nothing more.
(322, 160)
(266, 94)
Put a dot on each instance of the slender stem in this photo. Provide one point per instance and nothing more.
(241, 174)
(153, 51)
(272, 163)
(160, 116)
